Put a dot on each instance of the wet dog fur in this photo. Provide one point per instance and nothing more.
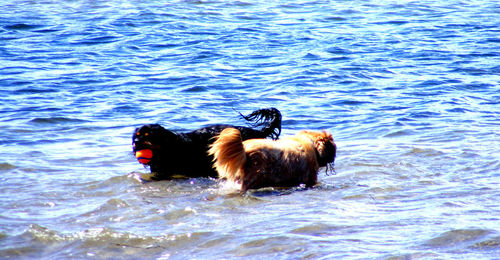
(259, 163)
(185, 154)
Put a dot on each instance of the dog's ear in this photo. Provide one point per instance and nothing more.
(162, 135)
(326, 148)
(156, 134)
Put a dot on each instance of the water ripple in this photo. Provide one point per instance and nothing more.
(409, 90)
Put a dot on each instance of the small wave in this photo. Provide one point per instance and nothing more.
(102, 242)
(34, 90)
(22, 26)
(493, 243)
(97, 234)
(339, 50)
(125, 108)
(96, 40)
(6, 166)
(55, 120)
(195, 89)
(458, 237)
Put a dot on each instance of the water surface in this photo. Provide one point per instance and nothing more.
(409, 89)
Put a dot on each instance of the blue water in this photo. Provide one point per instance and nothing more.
(410, 91)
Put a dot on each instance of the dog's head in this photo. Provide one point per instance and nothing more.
(152, 137)
(324, 145)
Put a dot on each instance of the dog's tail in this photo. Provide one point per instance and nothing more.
(229, 154)
(269, 119)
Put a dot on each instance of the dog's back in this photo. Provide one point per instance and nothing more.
(258, 163)
(186, 153)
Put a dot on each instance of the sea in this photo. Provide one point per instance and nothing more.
(410, 90)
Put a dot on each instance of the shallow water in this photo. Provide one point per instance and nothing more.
(409, 89)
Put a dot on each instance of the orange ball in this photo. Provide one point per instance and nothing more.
(144, 156)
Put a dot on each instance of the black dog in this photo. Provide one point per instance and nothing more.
(186, 154)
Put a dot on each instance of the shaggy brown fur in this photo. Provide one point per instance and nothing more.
(258, 163)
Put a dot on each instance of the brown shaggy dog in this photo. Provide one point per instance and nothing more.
(258, 163)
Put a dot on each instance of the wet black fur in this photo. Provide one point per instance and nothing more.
(186, 153)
